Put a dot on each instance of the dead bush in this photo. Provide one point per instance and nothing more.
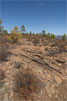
(4, 52)
(27, 84)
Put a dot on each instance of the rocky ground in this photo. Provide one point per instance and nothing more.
(47, 58)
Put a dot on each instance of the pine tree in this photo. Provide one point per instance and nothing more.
(64, 37)
(23, 29)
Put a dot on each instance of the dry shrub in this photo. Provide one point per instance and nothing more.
(61, 45)
(4, 52)
(27, 84)
(36, 41)
(2, 76)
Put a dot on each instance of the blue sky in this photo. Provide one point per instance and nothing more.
(35, 15)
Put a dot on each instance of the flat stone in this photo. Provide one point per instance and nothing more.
(60, 60)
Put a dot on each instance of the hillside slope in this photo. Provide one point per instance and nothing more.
(47, 58)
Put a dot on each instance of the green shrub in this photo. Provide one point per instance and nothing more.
(14, 37)
(64, 37)
(53, 36)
